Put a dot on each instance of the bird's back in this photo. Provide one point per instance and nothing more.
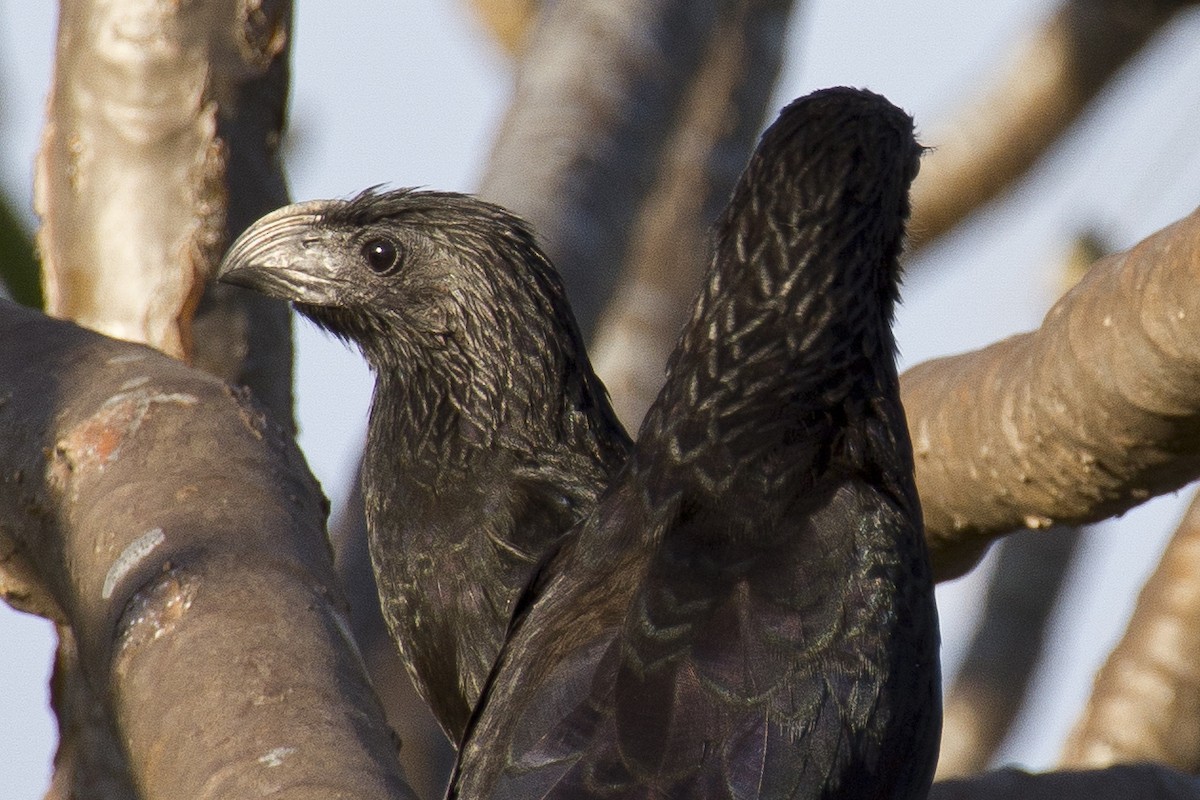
(748, 612)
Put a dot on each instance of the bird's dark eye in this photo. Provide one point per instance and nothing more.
(382, 255)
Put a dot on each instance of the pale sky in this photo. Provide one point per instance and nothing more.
(408, 93)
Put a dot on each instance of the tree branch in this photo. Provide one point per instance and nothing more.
(719, 120)
(1146, 702)
(162, 139)
(596, 94)
(990, 686)
(1053, 76)
(181, 536)
(1086, 417)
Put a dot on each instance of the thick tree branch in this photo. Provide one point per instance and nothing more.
(1146, 702)
(1000, 134)
(181, 536)
(718, 123)
(162, 141)
(1086, 417)
(990, 686)
(241, 336)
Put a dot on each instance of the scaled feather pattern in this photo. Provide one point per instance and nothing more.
(748, 611)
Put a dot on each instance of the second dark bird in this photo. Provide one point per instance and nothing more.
(489, 434)
(749, 612)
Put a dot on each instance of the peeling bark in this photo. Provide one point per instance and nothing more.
(181, 535)
(1045, 87)
(1146, 701)
(719, 120)
(161, 140)
(1086, 417)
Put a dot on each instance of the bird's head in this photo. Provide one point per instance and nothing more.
(432, 287)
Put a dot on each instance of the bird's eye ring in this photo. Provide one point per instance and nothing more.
(382, 255)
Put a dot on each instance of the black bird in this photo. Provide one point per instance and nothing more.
(748, 612)
(489, 434)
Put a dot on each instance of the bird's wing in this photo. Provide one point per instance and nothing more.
(714, 681)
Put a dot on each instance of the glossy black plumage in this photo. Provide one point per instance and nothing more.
(748, 612)
(489, 434)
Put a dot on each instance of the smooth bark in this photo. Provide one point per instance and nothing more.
(1006, 648)
(161, 142)
(180, 535)
(1086, 417)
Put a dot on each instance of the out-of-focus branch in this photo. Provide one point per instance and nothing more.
(199, 590)
(18, 267)
(1143, 781)
(1086, 417)
(162, 138)
(238, 335)
(89, 763)
(508, 20)
(596, 94)
(990, 685)
(1145, 705)
(999, 135)
(720, 117)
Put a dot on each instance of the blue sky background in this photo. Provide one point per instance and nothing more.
(409, 93)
